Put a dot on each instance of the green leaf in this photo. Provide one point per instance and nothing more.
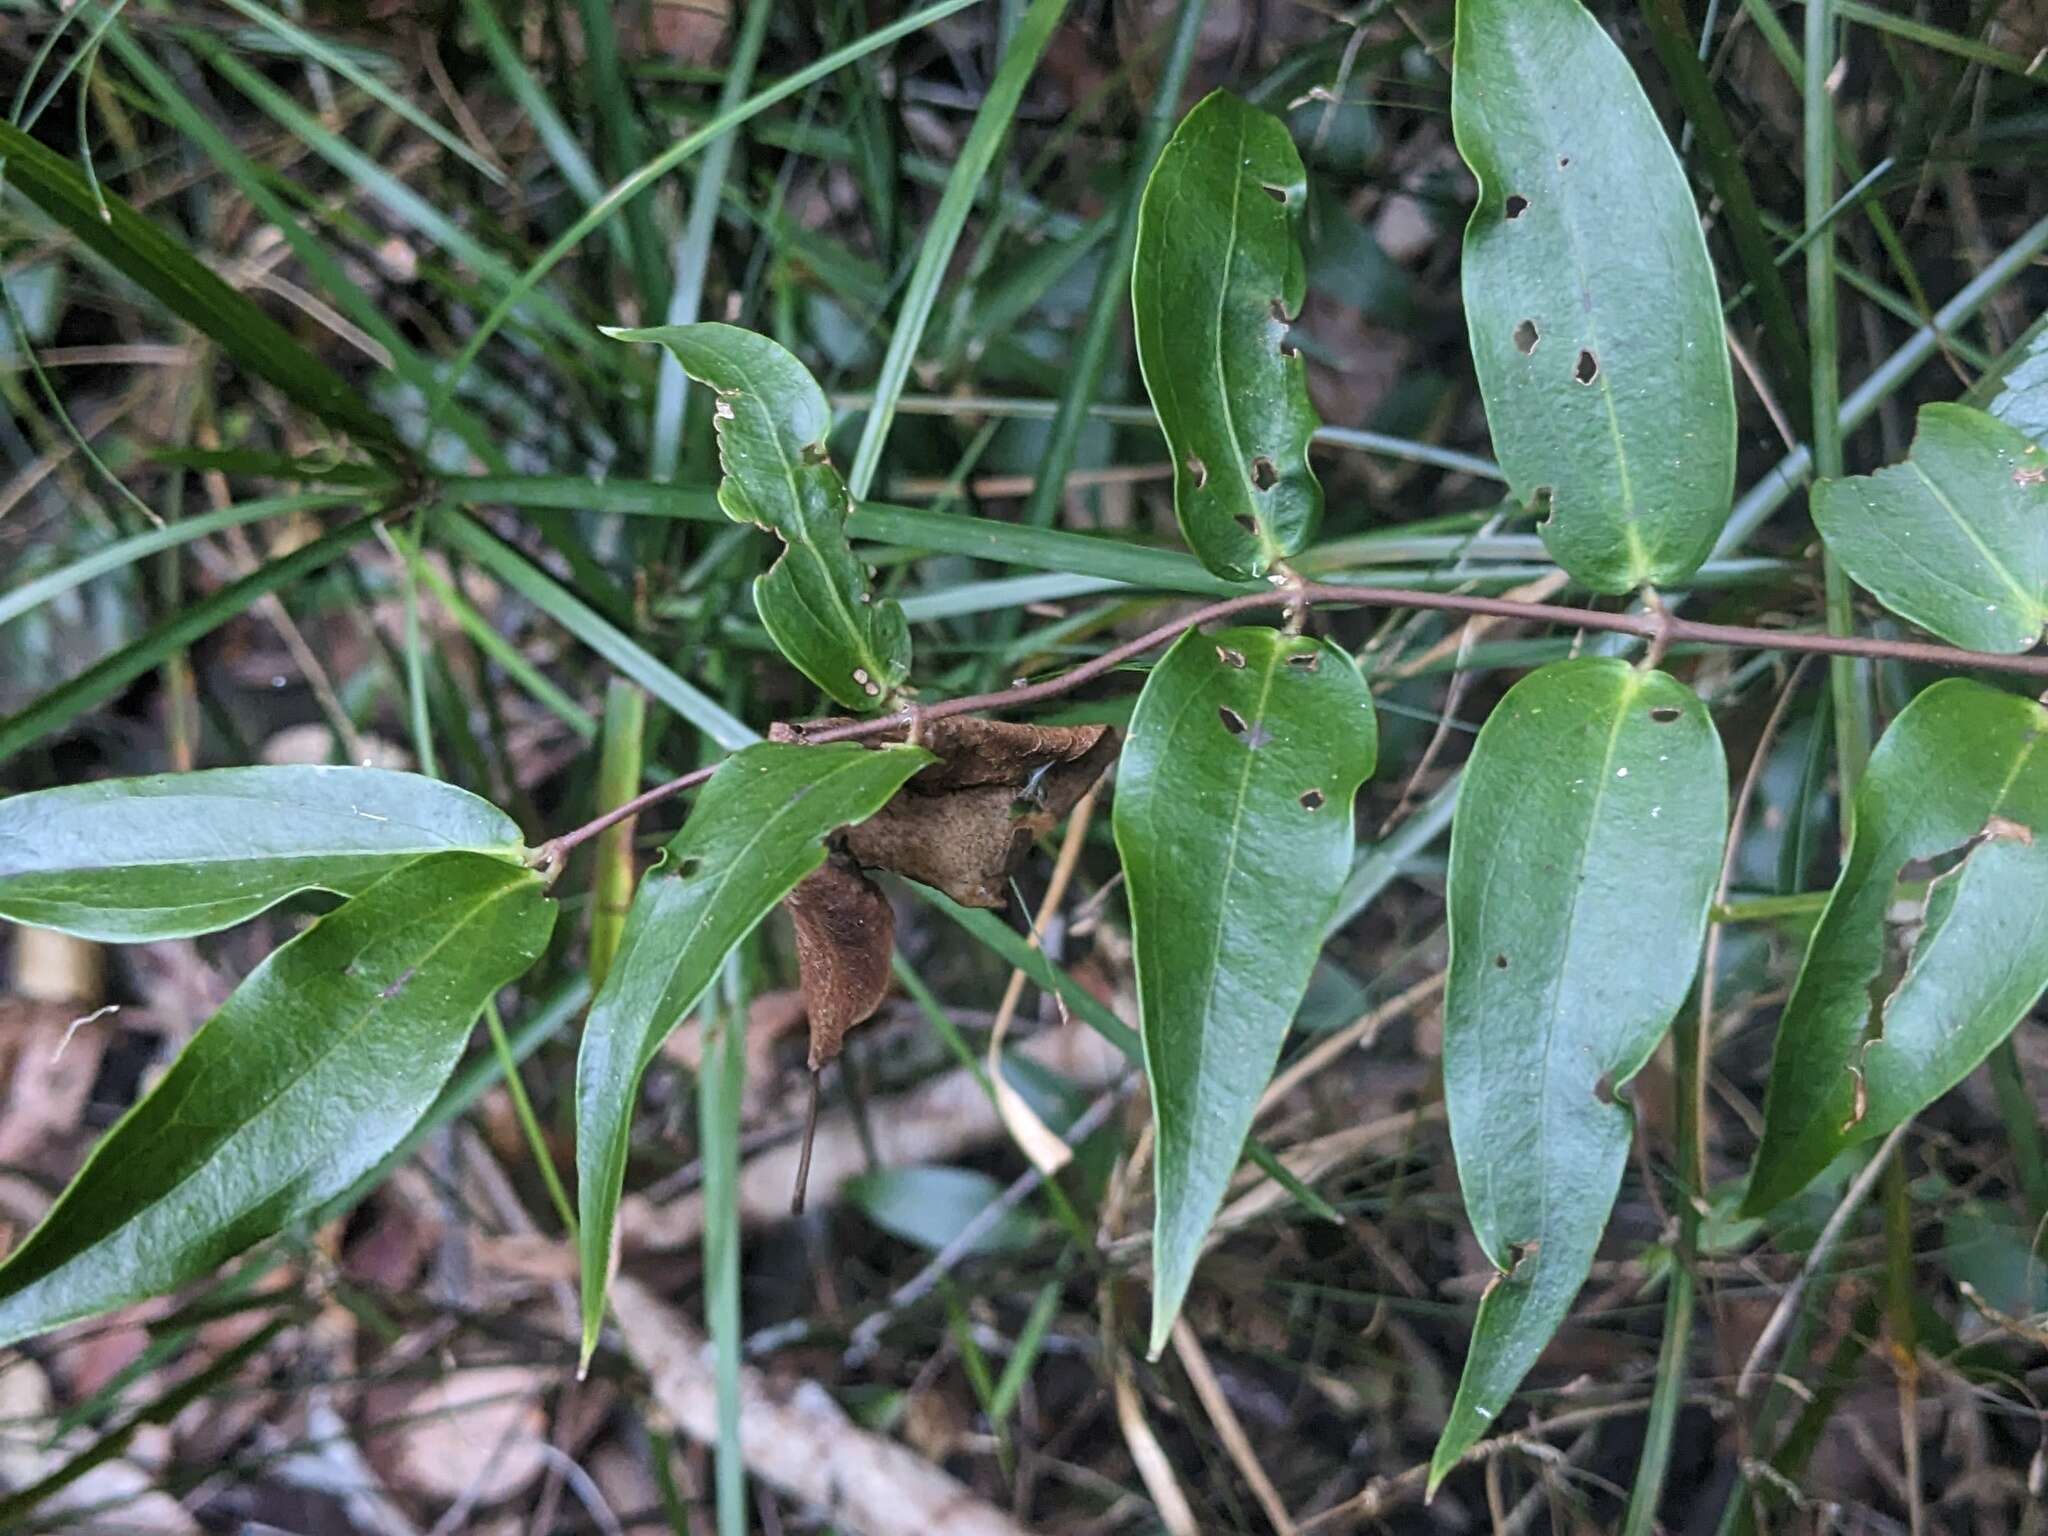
(772, 424)
(1233, 819)
(757, 829)
(319, 1063)
(1596, 328)
(1888, 1015)
(175, 854)
(1955, 538)
(2022, 398)
(1583, 860)
(929, 1207)
(187, 287)
(1216, 281)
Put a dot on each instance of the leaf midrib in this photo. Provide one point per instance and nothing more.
(287, 1090)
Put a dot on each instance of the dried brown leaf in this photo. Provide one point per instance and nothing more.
(963, 824)
(845, 932)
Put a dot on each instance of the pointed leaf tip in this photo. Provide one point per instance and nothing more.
(1233, 818)
(758, 828)
(1583, 859)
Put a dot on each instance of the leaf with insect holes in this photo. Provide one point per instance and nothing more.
(1955, 538)
(1583, 859)
(109, 226)
(1904, 991)
(1596, 326)
(772, 421)
(1216, 280)
(1233, 819)
(757, 829)
(176, 854)
(322, 1060)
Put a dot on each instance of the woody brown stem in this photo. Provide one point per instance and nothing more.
(1661, 627)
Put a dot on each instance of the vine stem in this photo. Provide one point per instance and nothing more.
(1662, 628)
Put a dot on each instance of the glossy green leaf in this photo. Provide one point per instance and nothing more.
(1216, 280)
(772, 424)
(1583, 859)
(1233, 819)
(176, 854)
(186, 286)
(321, 1061)
(757, 829)
(1595, 323)
(1955, 538)
(1893, 1008)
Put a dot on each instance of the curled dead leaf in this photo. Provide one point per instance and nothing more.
(963, 824)
(845, 932)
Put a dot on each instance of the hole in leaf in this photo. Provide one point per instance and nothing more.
(1517, 205)
(1264, 475)
(816, 453)
(1228, 657)
(1312, 800)
(1306, 660)
(687, 867)
(1199, 470)
(1588, 369)
(1500, 962)
(1664, 714)
(1526, 337)
(1253, 736)
(1278, 194)
(1541, 504)
(1248, 523)
(1564, 162)
(1283, 320)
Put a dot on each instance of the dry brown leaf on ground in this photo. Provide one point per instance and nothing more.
(799, 1441)
(475, 1435)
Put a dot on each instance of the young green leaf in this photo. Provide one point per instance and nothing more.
(316, 1066)
(1955, 538)
(1233, 819)
(757, 829)
(1583, 860)
(174, 854)
(1889, 1014)
(1596, 327)
(772, 422)
(109, 227)
(1216, 281)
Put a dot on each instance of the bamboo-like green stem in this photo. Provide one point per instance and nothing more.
(1847, 681)
(618, 777)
